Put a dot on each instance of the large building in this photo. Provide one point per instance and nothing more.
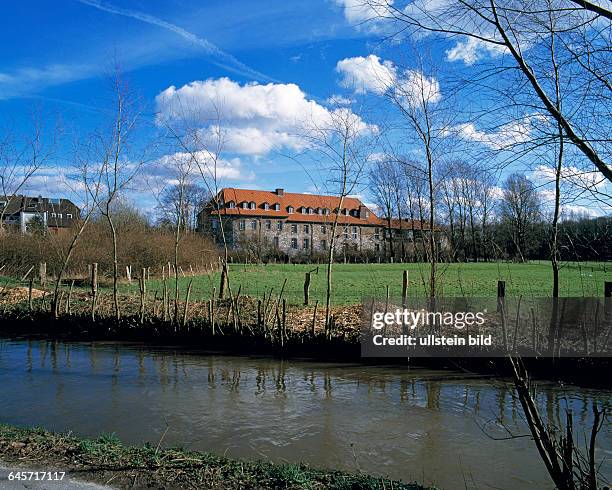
(28, 213)
(286, 223)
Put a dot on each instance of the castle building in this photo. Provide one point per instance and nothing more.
(292, 224)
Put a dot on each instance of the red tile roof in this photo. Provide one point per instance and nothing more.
(297, 201)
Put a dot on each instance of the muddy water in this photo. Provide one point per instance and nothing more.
(435, 427)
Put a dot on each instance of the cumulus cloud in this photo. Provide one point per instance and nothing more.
(254, 119)
(370, 74)
(367, 74)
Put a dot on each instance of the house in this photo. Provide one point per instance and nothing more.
(25, 213)
(292, 224)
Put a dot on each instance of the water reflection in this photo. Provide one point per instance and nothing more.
(412, 424)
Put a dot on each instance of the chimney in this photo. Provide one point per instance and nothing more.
(280, 192)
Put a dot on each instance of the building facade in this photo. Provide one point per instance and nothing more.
(28, 213)
(291, 224)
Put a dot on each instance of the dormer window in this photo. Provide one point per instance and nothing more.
(326, 212)
(277, 207)
(304, 210)
(346, 212)
(252, 205)
(266, 206)
(310, 211)
(290, 209)
(245, 205)
(231, 204)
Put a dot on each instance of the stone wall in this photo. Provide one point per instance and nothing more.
(292, 237)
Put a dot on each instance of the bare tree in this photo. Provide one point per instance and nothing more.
(417, 97)
(520, 208)
(521, 29)
(384, 180)
(345, 145)
(117, 169)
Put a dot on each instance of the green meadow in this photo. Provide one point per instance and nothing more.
(352, 282)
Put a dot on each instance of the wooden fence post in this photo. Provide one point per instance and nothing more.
(143, 293)
(42, 273)
(306, 288)
(404, 289)
(94, 288)
(501, 295)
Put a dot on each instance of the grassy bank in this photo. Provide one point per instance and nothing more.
(106, 460)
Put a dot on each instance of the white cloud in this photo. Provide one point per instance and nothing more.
(471, 50)
(363, 13)
(370, 74)
(199, 162)
(504, 137)
(416, 88)
(367, 74)
(254, 119)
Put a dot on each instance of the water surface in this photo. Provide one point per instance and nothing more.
(436, 427)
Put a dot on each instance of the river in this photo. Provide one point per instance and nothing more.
(436, 427)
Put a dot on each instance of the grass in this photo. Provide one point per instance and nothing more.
(107, 460)
(353, 282)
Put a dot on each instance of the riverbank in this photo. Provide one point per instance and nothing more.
(106, 460)
(292, 338)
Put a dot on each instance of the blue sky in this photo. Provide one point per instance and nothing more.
(55, 54)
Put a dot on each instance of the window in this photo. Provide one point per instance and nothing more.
(275, 241)
(268, 224)
(346, 212)
(377, 247)
(354, 233)
(290, 209)
(376, 233)
(254, 225)
(266, 206)
(60, 215)
(241, 225)
(231, 204)
(245, 205)
(214, 224)
(294, 243)
(293, 228)
(69, 216)
(346, 233)
(323, 229)
(310, 211)
(277, 207)
(326, 212)
(279, 225)
(252, 205)
(53, 215)
(319, 211)
(323, 244)
(306, 244)
(306, 228)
